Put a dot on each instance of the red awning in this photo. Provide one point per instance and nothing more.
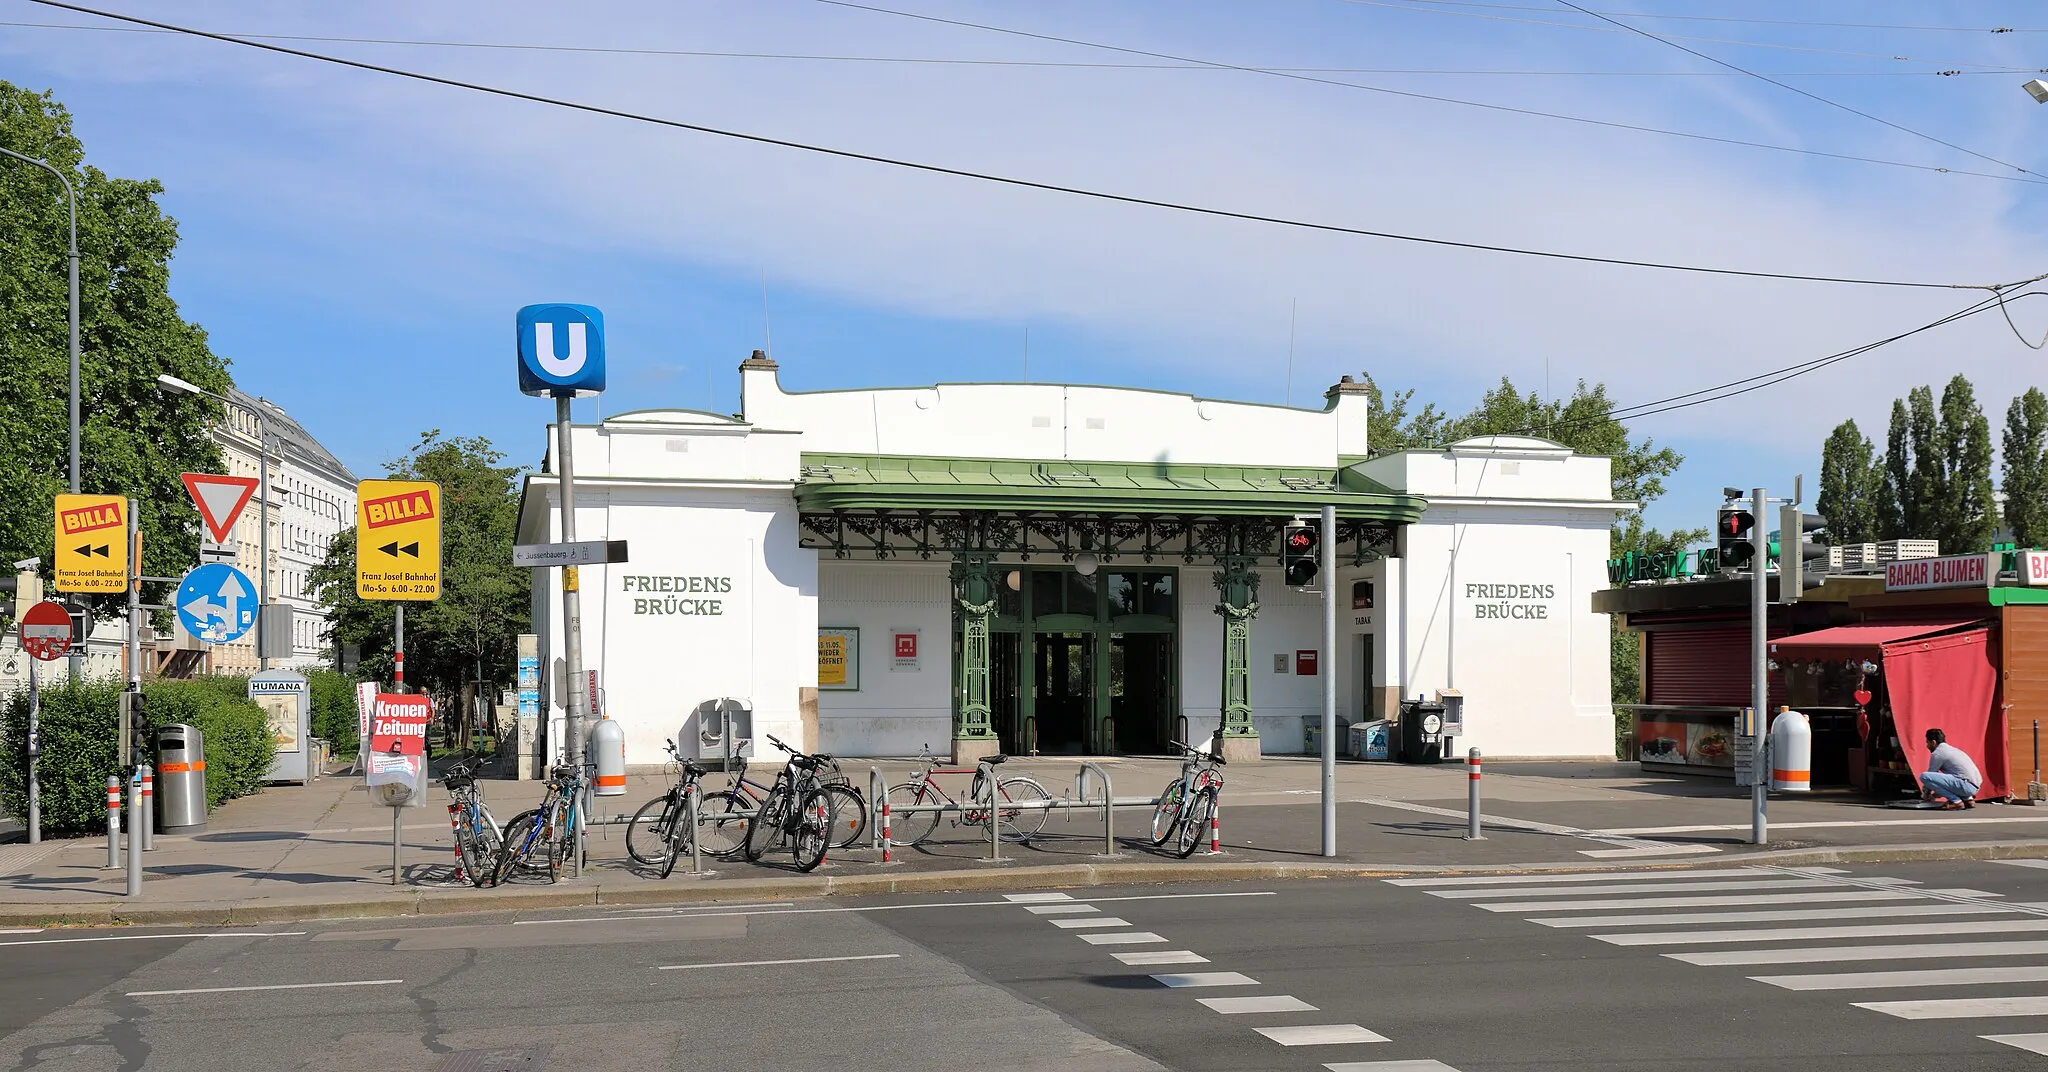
(1851, 641)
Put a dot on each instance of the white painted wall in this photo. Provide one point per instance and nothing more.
(894, 712)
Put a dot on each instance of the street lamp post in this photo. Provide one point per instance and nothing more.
(71, 203)
(174, 385)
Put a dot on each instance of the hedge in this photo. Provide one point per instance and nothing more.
(334, 709)
(79, 723)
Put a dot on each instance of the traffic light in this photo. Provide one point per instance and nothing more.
(1801, 560)
(1732, 529)
(1301, 547)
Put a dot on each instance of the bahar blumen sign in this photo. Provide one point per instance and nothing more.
(1954, 571)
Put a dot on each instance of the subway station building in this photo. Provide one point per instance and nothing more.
(1026, 567)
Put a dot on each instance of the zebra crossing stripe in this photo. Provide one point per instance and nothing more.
(1789, 915)
(1958, 1008)
(1800, 934)
(1701, 902)
(2034, 1043)
(1826, 954)
(1665, 887)
(1885, 979)
(1589, 876)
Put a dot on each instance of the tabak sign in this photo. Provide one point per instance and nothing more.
(398, 726)
(1953, 571)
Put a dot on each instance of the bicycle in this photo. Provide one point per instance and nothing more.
(729, 808)
(661, 830)
(795, 811)
(1013, 823)
(1189, 803)
(478, 839)
(550, 828)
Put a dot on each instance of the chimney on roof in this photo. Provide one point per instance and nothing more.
(1351, 400)
(760, 360)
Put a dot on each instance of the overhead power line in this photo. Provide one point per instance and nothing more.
(1031, 184)
(1412, 95)
(1789, 88)
(954, 61)
(1753, 22)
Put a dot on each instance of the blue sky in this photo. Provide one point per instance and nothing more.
(357, 244)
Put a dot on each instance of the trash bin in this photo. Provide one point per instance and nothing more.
(1312, 735)
(1369, 739)
(1422, 725)
(180, 779)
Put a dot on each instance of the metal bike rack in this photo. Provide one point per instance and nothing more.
(1108, 802)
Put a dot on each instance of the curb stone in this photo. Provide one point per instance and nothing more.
(424, 902)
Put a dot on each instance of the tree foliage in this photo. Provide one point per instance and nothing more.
(134, 440)
(1850, 479)
(2026, 468)
(1937, 471)
(474, 627)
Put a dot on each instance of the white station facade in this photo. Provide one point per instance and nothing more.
(1074, 570)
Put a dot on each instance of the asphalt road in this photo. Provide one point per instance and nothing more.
(1672, 970)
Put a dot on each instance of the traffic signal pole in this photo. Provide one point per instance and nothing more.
(1327, 666)
(1759, 681)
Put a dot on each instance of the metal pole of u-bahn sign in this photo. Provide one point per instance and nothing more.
(1327, 666)
(1759, 680)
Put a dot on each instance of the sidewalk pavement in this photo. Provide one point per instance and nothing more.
(324, 850)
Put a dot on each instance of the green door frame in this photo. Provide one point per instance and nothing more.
(1099, 735)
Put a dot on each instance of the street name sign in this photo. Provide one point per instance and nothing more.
(216, 603)
(92, 543)
(398, 539)
(583, 553)
(46, 631)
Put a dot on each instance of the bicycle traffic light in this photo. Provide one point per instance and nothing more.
(1301, 549)
(1732, 529)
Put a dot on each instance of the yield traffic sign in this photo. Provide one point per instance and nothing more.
(46, 631)
(398, 539)
(92, 543)
(220, 500)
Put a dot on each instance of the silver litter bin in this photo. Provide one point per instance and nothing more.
(180, 779)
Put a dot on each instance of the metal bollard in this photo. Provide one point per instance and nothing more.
(995, 852)
(148, 826)
(135, 821)
(1472, 797)
(113, 822)
(887, 855)
(696, 828)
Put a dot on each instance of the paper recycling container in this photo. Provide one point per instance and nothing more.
(1369, 739)
(180, 779)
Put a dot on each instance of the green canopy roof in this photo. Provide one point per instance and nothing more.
(856, 482)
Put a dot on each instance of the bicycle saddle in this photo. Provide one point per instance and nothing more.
(694, 770)
(993, 760)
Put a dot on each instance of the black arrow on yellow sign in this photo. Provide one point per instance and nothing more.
(89, 550)
(393, 549)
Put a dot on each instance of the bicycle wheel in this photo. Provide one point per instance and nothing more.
(910, 828)
(1021, 824)
(468, 847)
(1167, 814)
(766, 831)
(680, 830)
(849, 814)
(647, 834)
(1194, 830)
(813, 830)
(520, 837)
(559, 840)
(722, 833)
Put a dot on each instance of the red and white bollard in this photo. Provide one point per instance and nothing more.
(886, 857)
(1472, 797)
(147, 827)
(113, 822)
(1216, 825)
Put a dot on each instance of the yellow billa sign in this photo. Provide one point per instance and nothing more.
(92, 543)
(398, 539)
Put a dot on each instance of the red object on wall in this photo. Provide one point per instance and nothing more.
(1949, 682)
(399, 725)
(906, 645)
(1305, 663)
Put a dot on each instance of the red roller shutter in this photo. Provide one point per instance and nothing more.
(1703, 666)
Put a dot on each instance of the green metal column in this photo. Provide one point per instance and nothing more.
(1237, 591)
(974, 589)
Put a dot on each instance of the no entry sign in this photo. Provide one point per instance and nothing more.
(46, 631)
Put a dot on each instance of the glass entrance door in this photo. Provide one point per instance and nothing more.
(1085, 665)
(1064, 671)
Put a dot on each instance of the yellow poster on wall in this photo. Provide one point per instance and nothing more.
(839, 658)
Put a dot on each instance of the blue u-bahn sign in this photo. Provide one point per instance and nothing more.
(561, 350)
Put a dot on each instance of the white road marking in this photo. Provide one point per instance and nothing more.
(2019, 863)
(1021, 898)
(1700, 902)
(1090, 922)
(1665, 875)
(1672, 919)
(21, 930)
(768, 963)
(1122, 938)
(1662, 887)
(1059, 909)
(616, 917)
(1885, 979)
(1390, 1066)
(1828, 954)
(1638, 851)
(1206, 979)
(1272, 1003)
(2032, 1043)
(1169, 956)
(1320, 1035)
(1629, 846)
(708, 907)
(142, 937)
(248, 989)
(1800, 934)
(1958, 1008)
(1831, 824)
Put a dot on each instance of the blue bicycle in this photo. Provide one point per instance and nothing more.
(540, 839)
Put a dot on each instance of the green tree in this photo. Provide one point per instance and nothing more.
(474, 627)
(2026, 468)
(1895, 490)
(134, 440)
(1850, 483)
(1389, 425)
(1966, 518)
